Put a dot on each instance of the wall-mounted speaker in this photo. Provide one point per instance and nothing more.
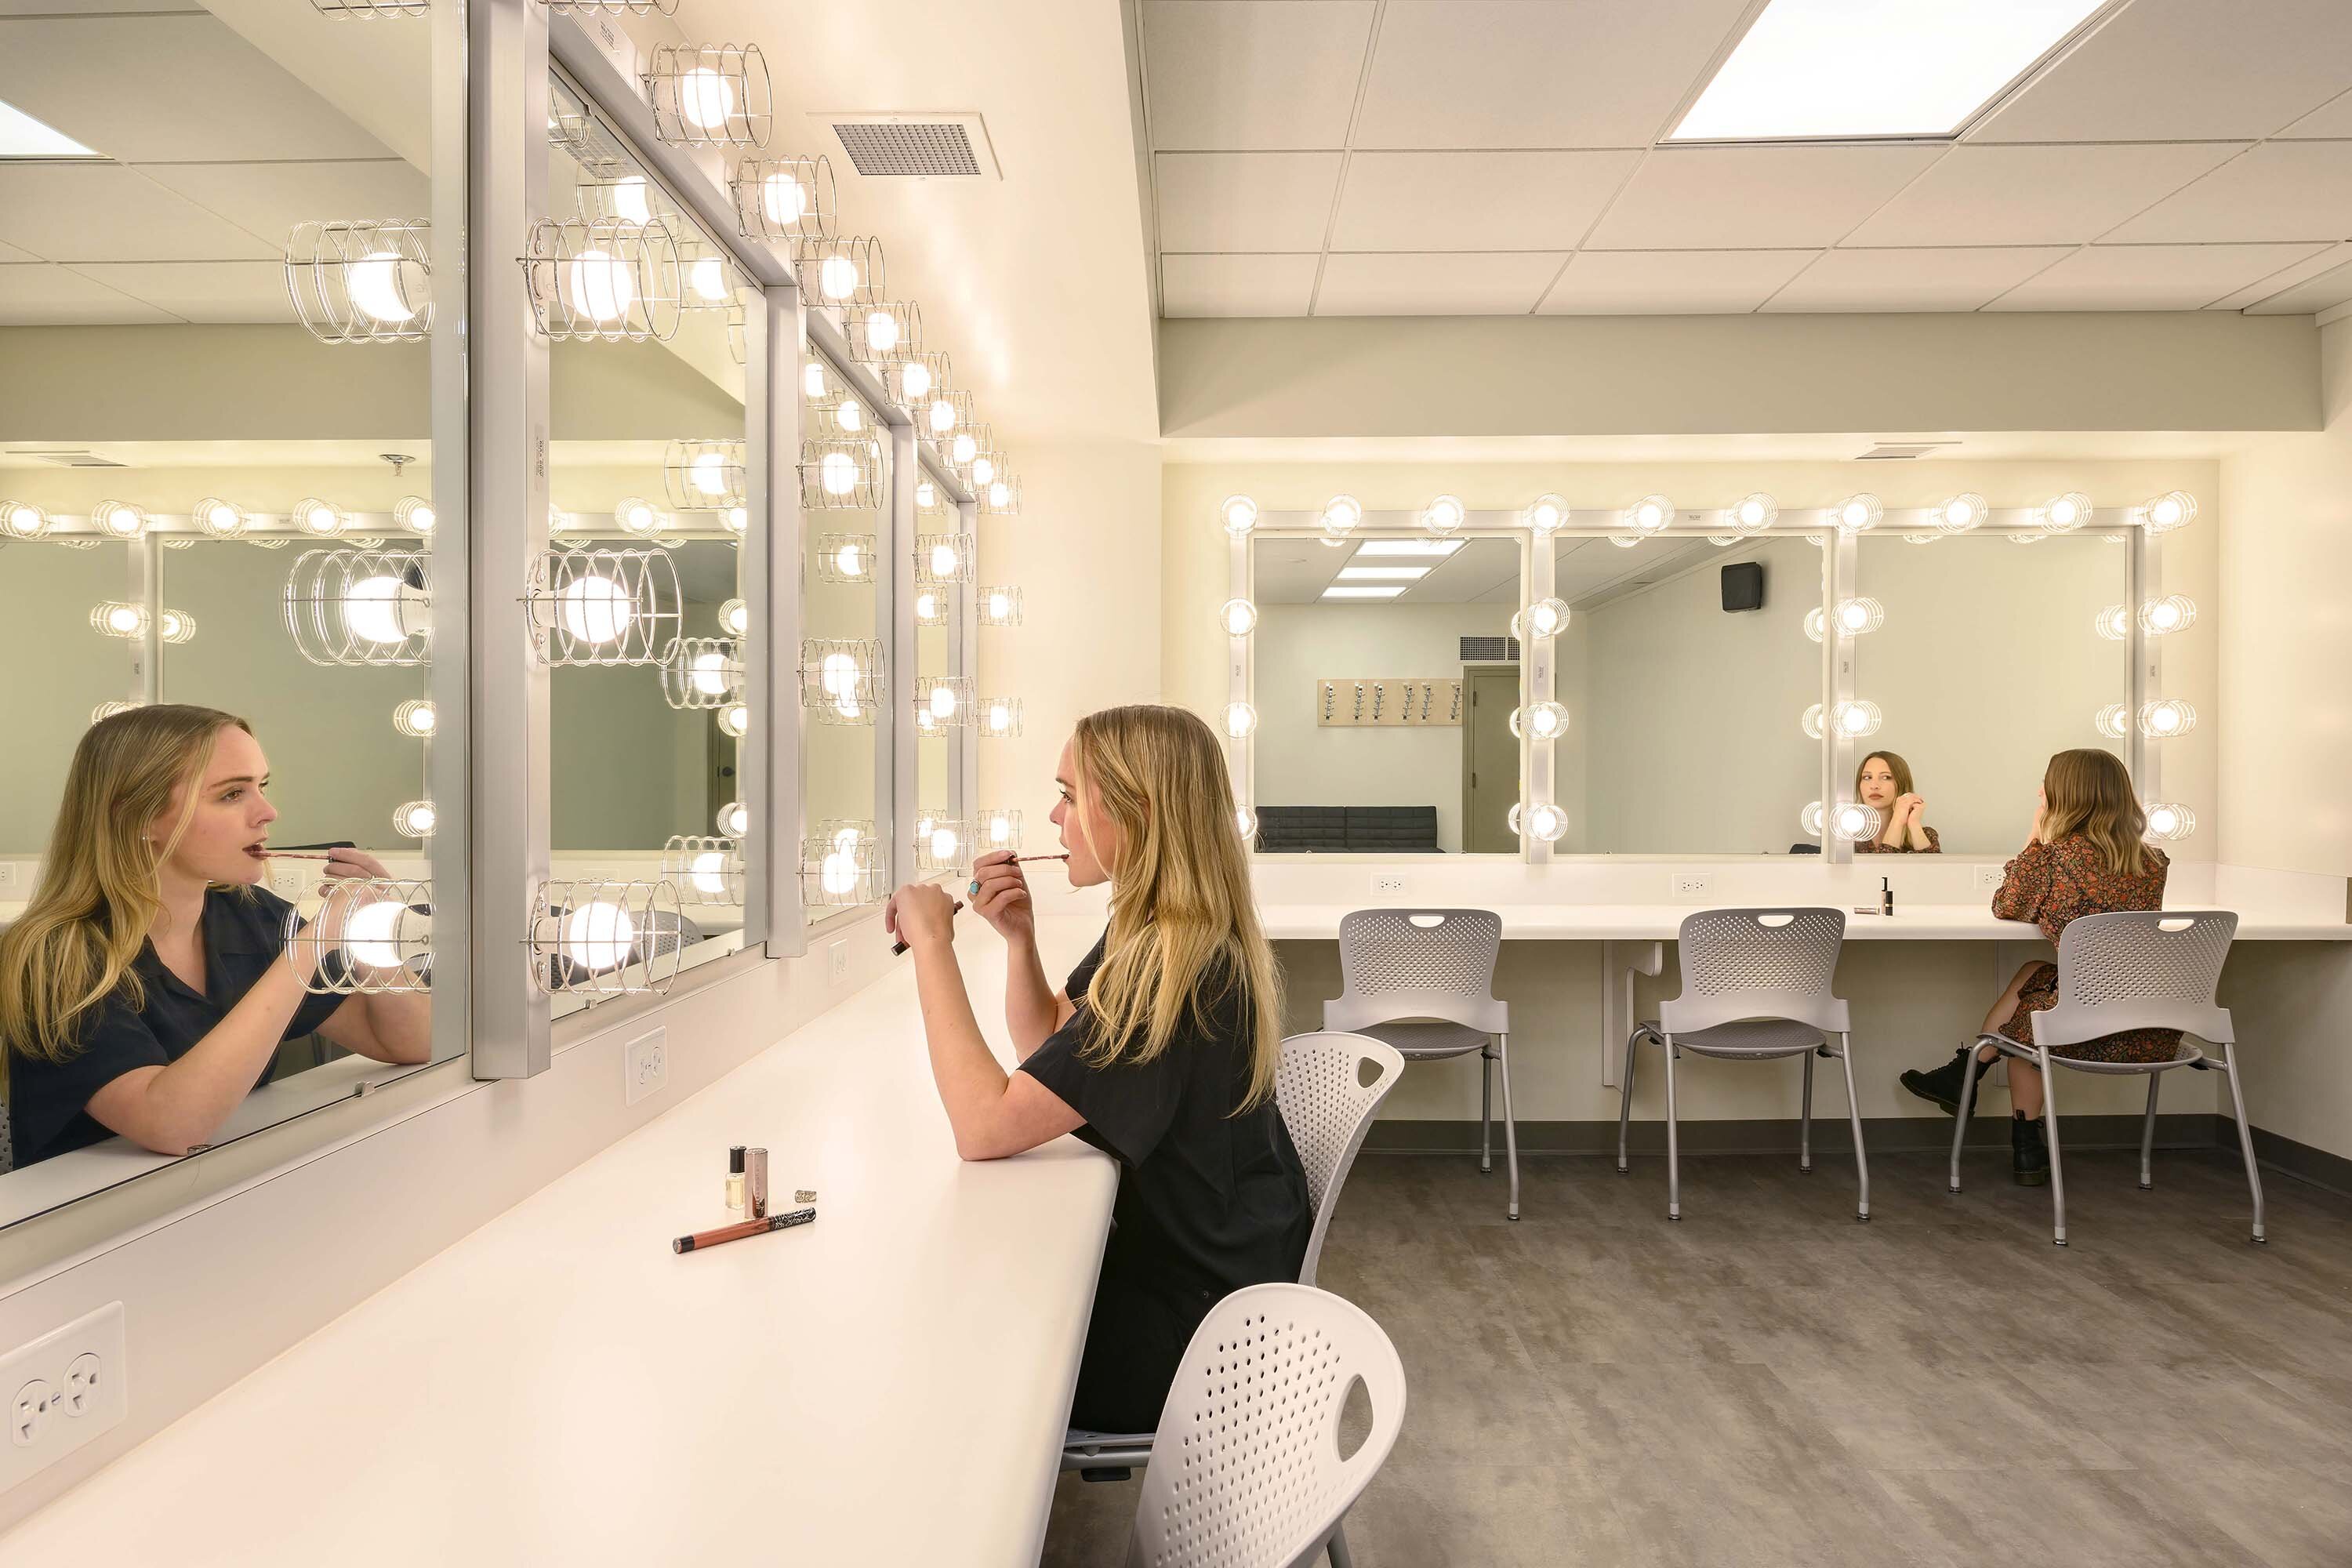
(1743, 585)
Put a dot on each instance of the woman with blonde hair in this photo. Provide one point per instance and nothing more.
(1884, 780)
(143, 991)
(2085, 856)
(1160, 1051)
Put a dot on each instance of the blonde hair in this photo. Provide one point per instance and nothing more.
(1895, 764)
(1181, 900)
(2089, 791)
(100, 890)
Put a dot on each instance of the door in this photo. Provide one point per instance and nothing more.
(1490, 760)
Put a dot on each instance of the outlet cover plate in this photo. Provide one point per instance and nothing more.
(837, 963)
(644, 1066)
(1388, 884)
(1693, 884)
(1989, 878)
(7, 873)
(51, 1359)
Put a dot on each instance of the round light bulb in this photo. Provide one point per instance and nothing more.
(599, 285)
(1960, 513)
(963, 448)
(838, 675)
(943, 560)
(2168, 820)
(944, 843)
(837, 473)
(943, 701)
(1816, 623)
(812, 380)
(1855, 823)
(943, 417)
(2063, 514)
(708, 871)
(2175, 508)
(1547, 823)
(735, 616)
(1857, 717)
(1247, 820)
(838, 873)
(984, 469)
(118, 518)
(881, 331)
(1649, 514)
(1000, 717)
(371, 933)
(2112, 622)
(415, 819)
(783, 199)
(1240, 618)
(1548, 617)
(999, 494)
(1858, 615)
(1859, 514)
(2114, 721)
(708, 277)
(1810, 819)
(2167, 717)
(1241, 718)
(1444, 514)
(379, 283)
(849, 416)
(219, 518)
(1755, 513)
(837, 278)
(125, 620)
(737, 519)
(628, 199)
(734, 819)
(599, 935)
(1545, 721)
(850, 560)
(1814, 722)
(999, 827)
(914, 381)
(705, 97)
(596, 609)
(2174, 612)
(1547, 513)
(707, 673)
(379, 609)
(707, 473)
(735, 719)
(1341, 514)
(1000, 606)
(928, 609)
(22, 519)
(415, 718)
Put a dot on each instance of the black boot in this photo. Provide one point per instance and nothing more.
(1942, 1087)
(2029, 1156)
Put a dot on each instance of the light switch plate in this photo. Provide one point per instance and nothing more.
(63, 1389)
(644, 1066)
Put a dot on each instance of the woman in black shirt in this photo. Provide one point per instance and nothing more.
(143, 990)
(1160, 1052)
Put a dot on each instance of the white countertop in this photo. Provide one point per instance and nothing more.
(1653, 923)
(889, 1384)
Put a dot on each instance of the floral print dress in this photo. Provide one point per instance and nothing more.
(2050, 884)
(1880, 847)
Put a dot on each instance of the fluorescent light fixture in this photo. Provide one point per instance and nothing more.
(1382, 574)
(1837, 69)
(1440, 547)
(21, 136)
(1362, 593)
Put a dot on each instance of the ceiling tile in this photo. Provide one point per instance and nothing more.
(1475, 200)
(9, 253)
(231, 291)
(2149, 277)
(2332, 119)
(169, 87)
(1536, 73)
(1236, 285)
(39, 295)
(267, 200)
(2279, 190)
(1670, 282)
(2187, 71)
(2035, 195)
(2323, 292)
(1244, 201)
(103, 212)
(2310, 286)
(1912, 281)
(1242, 74)
(1747, 198)
(1456, 283)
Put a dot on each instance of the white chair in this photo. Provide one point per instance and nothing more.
(1245, 1470)
(1327, 1100)
(1756, 988)
(1423, 981)
(2133, 969)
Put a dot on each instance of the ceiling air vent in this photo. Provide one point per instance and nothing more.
(1490, 651)
(63, 458)
(916, 146)
(1888, 451)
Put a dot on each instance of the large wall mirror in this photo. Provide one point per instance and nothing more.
(230, 500)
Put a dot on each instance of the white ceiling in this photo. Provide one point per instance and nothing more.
(1447, 157)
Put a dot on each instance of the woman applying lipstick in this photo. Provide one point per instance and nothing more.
(1884, 780)
(142, 991)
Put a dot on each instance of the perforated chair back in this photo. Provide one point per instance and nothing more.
(1418, 964)
(2139, 969)
(1326, 1103)
(1758, 963)
(1245, 1470)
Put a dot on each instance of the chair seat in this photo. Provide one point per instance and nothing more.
(2188, 1055)
(1425, 1040)
(1748, 1037)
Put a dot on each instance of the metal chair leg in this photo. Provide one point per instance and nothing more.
(1674, 1145)
(1510, 1126)
(2147, 1135)
(1625, 1098)
(1337, 1548)
(2245, 1136)
(1805, 1121)
(1960, 1120)
(1854, 1114)
(1486, 1109)
(2049, 1127)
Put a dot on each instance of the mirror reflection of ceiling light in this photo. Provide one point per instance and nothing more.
(1382, 574)
(1377, 547)
(1340, 593)
(21, 136)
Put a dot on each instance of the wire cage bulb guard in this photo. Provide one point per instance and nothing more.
(2169, 820)
(842, 474)
(415, 819)
(839, 270)
(1541, 722)
(843, 682)
(1545, 822)
(946, 700)
(703, 475)
(2174, 509)
(1859, 616)
(318, 519)
(371, 10)
(1000, 606)
(1723, 541)
(116, 618)
(2063, 514)
(1341, 515)
(1547, 618)
(1752, 515)
(219, 518)
(119, 520)
(1245, 821)
(917, 378)
(709, 95)
(2114, 721)
(175, 626)
(702, 673)
(610, 7)
(105, 711)
(604, 280)
(416, 719)
(998, 830)
(705, 870)
(735, 718)
(950, 417)
(1811, 819)
(1001, 496)
(1000, 717)
(1814, 721)
(1443, 515)
(1856, 823)
(941, 843)
(1241, 720)
(735, 618)
(1858, 513)
(784, 198)
(603, 607)
(733, 819)
(847, 558)
(2167, 717)
(1546, 514)
(415, 514)
(813, 387)
(842, 865)
(349, 608)
(605, 939)
(709, 280)
(1856, 719)
(1238, 616)
(2113, 622)
(933, 608)
(841, 414)
(2172, 613)
(928, 500)
(1651, 514)
(381, 941)
(23, 520)
(367, 280)
(887, 332)
(943, 558)
(1816, 623)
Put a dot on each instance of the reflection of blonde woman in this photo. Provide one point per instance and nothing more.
(141, 991)
(1160, 1051)
(1884, 780)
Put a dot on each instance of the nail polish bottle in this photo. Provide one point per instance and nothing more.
(735, 1182)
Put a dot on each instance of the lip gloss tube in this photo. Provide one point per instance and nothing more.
(755, 1177)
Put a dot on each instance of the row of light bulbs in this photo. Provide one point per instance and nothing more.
(214, 518)
(1857, 823)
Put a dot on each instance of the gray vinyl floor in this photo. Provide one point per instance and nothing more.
(1768, 1382)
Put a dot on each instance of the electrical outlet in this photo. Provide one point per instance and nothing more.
(644, 1066)
(1988, 877)
(1388, 884)
(7, 873)
(1693, 884)
(71, 1385)
(285, 881)
(837, 963)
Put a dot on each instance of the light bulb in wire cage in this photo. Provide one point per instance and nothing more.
(735, 718)
(175, 626)
(1859, 616)
(1961, 512)
(734, 819)
(1856, 719)
(115, 619)
(1247, 821)
(1856, 823)
(2169, 820)
(2114, 721)
(415, 819)
(1241, 720)
(220, 519)
(1859, 513)
(23, 520)
(1547, 618)
(1546, 514)
(1649, 515)
(415, 718)
(1443, 515)
(1000, 606)
(2173, 613)
(2174, 509)
(1540, 721)
(1544, 821)
(2166, 717)
(737, 519)
(371, 933)
(1341, 515)
(1238, 616)
(118, 518)
(1000, 717)
(599, 935)
(601, 286)
(105, 711)
(735, 616)
(931, 607)
(812, 381)
(2063, 514)
(1812, 819)
(1754, 514)
(984, 468)
(2112, 622)
(637, 516)
(1814, 721)
(415, 514)
(1816, 623)
(963, 447)
(596, 609)
(322, 519)
(1001, 829)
